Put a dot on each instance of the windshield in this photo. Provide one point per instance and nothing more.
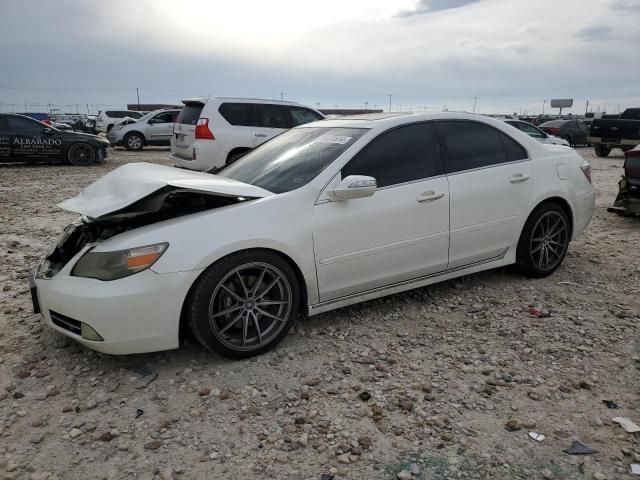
(293, 158)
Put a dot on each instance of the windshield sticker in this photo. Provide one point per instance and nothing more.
(338, 139)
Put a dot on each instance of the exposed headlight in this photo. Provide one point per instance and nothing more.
(119, 264)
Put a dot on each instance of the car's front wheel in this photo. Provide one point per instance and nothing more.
(81, 154)
(544, 241)
(244, 304)
(133, 141)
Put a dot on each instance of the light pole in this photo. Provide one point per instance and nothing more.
(475, 102)
(543, 102)
(389, 102)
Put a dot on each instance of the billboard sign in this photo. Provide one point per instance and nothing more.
(562, 102)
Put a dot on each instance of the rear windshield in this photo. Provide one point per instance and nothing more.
(190, 114)
(293, 158)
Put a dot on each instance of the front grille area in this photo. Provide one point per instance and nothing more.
(62, 321)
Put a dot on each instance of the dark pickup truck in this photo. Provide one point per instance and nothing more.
(622, 132)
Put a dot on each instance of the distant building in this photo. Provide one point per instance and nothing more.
(150, 107)
(348, 111)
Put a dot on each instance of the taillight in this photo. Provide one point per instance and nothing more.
(552, 130)
(586, 169)
(202, 130)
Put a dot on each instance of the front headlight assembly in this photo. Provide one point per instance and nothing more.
(119, 264)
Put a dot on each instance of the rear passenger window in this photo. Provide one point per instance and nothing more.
(300, 116)
(236, 113)
(401, 155)
(513, 149)
(469, 145)
(273, 116)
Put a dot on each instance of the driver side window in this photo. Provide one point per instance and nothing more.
(400, 155)
(165, 117)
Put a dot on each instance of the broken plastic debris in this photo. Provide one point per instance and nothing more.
(537, 313)
(610, 404)
(578, 448)
(627, 424)
(364, 396)
(538, 437)
(635, 468)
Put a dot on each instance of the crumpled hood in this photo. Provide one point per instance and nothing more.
(132, 182)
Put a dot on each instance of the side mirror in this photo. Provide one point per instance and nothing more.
(354, 186)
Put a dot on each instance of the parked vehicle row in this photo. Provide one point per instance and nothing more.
(23, 139)
(324, 215)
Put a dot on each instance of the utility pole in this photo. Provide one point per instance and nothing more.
(281, 95)
(366, 106)
(543, 103)
(138, 95)
(586, 108)
(389, 102)
(475, 102)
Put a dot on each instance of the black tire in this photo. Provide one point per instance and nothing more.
(222, 312)
(541, 235)
(81, 155)
(133, 141)
(602, 150)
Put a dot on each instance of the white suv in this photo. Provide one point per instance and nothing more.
(213, 132)
(108, 118)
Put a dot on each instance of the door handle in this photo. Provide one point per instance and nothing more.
(261, 135)
(429, 196)
(519, 177)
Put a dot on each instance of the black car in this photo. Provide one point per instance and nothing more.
(23, 139)
(573, 131)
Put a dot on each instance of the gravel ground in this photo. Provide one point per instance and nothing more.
(441, 382)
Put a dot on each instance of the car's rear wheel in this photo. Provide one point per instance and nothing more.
(244, 304)
(133, 141)
(81, 154)
(544, 241)
(602, 150)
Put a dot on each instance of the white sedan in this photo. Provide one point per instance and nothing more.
(324, 215)
(535, 132)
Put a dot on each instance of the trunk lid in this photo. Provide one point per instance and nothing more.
(184, 129)
(133, 182)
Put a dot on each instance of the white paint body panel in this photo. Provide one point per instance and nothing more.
(345, 251)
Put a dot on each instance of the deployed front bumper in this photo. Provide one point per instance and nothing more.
(136, 314)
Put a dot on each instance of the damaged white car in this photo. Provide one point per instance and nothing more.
(322, 216)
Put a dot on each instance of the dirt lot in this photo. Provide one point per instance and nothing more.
(458, 373)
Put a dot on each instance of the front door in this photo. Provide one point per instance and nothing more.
(399, 233)
(490, 183)
(33, 140)
(160, 128)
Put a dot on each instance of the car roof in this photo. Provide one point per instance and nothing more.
(386, 120)
(204, 100)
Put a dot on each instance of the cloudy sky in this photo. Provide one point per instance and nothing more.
(510, 54)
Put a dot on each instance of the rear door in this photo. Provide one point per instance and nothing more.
(33, 140)
(184, 132)
(242, 118)
(160, 128)
(489, 180)
(271, 120)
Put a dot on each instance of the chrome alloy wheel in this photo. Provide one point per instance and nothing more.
(250, 306)
(549, 240)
